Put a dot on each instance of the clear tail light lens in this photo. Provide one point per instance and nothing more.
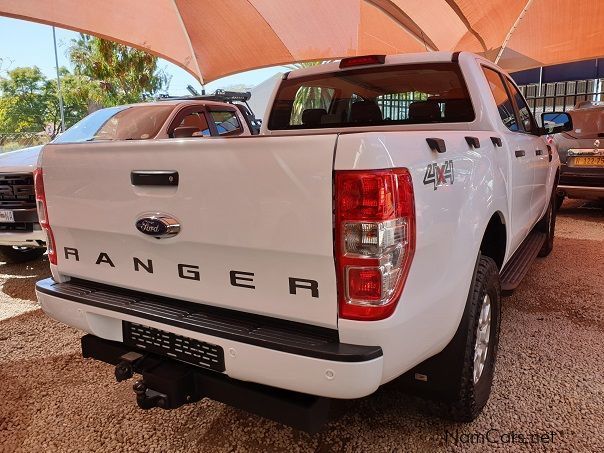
(375, 240)
(43, 215)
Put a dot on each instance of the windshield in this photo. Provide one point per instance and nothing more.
(587, 123)
(118, 123)
(406, 94)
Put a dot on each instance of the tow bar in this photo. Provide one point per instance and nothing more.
(169, 384)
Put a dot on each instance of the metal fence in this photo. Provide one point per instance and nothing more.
(561, 96)
(18, 140)
(396, 106)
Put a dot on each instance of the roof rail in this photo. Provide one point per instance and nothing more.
(219, 96)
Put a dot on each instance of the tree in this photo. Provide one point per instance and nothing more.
(122, 75)
(105, 74)
(29, 101)
(26, 97)
(309, 97)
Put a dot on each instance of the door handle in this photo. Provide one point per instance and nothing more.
(154, 178)
(538, 152)
(520, 153)
(496, 141)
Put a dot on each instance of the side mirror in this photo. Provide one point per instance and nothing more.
(184, 131)
(555, 122)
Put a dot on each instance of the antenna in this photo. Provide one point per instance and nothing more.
(191, 89)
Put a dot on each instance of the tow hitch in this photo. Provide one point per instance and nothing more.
(165, 384)
(145, 397)
(169, 384)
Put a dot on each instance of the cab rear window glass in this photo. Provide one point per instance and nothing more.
(377, 96)
(118, 123)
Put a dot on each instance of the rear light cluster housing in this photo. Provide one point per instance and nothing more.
(43, 215)
(375, 240)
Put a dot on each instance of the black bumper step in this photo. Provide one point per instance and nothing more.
(517, 267)
(271, 333)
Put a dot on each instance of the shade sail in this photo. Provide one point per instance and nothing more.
(214, 38)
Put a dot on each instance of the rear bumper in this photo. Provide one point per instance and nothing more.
(258, 349)
(577, 182)
(35, 238)
(582, 192)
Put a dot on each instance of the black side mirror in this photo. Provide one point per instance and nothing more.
(555, 122)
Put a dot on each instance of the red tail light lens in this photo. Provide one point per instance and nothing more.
(375, 240)
(43, 215)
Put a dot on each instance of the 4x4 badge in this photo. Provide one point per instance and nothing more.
(439, 175)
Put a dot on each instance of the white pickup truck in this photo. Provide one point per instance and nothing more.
(366, 235)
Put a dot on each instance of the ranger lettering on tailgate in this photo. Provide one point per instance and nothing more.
(237, 278)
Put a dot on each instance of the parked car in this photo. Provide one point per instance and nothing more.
(367, 234)
(21, 237)
(220, 114)
(581, 153)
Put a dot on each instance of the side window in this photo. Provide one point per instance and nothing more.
(198, 121)
(226, 122)
(526, 117)
(503, 101)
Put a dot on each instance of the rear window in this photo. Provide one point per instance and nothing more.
(390, 95)
(118, 123)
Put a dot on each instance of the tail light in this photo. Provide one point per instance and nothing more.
(375, 240)
(43, 215)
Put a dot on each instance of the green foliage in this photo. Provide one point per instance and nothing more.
(121, 74)
(26, 100)
(105, 74)
(309, 97)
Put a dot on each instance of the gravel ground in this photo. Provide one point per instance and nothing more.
(549, 378)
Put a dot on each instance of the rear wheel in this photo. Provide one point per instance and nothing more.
(458, 379)
(559, 200)
(11, 254)
(481, 326)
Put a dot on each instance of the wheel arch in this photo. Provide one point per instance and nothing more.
(494, 239)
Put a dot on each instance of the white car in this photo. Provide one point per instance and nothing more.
(366, 235)
(21, 237)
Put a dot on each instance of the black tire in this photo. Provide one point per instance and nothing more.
(547, 225)
(10, 254)
(471, 397)
(559, 200)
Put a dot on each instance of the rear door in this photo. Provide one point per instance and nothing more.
(255, 217)
(517, 145)
(536, 150)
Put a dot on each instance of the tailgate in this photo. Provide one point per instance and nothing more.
(255, 219)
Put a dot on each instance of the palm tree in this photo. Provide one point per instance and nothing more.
(309, 97)
(123, 74)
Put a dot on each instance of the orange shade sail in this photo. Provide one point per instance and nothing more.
(214, 38)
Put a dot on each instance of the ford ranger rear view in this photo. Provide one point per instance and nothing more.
(366, 235)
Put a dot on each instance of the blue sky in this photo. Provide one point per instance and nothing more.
(25, 43)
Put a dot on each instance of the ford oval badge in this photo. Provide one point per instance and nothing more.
(158, 225)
